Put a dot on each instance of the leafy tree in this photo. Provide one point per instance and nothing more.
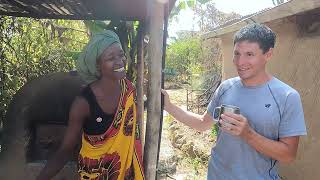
(183, 57)
(208, 55)
(31, 47)
(184, 4)
(201, 59)
(209, 17)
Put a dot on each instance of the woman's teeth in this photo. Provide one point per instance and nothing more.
(119, 70)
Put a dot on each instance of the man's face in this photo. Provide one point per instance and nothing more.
(250, 61)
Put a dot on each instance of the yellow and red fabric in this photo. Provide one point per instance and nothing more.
(117, 153)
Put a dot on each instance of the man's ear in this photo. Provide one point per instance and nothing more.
(269, 54)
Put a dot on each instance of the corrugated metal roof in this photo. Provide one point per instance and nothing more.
(77, 9)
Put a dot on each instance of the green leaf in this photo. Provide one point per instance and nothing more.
(191, 3)
(182, 5)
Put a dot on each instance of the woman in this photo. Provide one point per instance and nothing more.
(105, 115)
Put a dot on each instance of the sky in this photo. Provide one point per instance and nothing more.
(242, 7)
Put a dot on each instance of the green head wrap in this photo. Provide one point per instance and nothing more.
(87, 61)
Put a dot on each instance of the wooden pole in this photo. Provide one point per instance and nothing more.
(139, 83)
(164, 48)
(155, 26)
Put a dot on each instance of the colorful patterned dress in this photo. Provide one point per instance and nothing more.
(116, 154)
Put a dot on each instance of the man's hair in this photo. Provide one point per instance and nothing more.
(258, 33)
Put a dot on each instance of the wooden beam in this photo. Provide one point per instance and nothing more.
(155, 27)
(139, 82)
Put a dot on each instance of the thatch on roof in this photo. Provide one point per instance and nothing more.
(77, 9)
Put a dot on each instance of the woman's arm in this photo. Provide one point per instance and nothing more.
(78, 112)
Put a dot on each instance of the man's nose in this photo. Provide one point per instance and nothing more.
(239, 60)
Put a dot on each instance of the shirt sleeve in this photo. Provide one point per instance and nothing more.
(292, 121)
(214, 101)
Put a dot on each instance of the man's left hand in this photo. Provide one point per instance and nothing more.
(235, 124)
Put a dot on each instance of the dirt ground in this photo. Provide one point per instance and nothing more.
(184, 152)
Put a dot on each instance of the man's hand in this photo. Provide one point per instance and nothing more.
(166, 99)
(235, 124)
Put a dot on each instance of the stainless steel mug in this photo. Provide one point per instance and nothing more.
(224, 108)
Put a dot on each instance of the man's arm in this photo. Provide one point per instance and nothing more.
(196, 121)
(78, 112)
(284, 150)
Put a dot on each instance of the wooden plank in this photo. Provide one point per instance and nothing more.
(74, 9)
(20, 5)
(155, 27)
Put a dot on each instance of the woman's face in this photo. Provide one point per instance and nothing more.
(111, 63)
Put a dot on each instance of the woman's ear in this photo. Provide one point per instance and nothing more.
(98, 65)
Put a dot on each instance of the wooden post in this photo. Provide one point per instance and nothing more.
(140, 82)
(155, 27)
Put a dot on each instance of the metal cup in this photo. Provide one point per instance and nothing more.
(222, 109)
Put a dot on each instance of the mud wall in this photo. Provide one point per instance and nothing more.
(42, 104)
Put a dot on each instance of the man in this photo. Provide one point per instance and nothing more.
(267, 131)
